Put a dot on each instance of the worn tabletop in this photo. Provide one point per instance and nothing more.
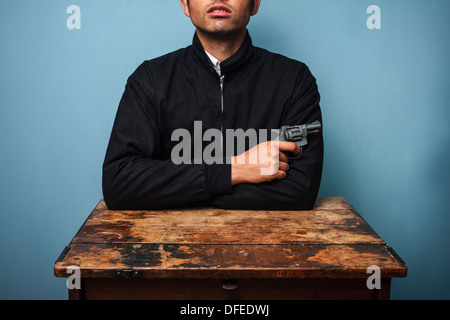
(331, 241)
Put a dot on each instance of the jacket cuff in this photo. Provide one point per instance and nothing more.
(218, 178)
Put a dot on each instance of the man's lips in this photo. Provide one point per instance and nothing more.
(219, 11)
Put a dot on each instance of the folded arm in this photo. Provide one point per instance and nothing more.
(135, 175)
(295, 185)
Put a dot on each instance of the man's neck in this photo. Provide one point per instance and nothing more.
(222, 46)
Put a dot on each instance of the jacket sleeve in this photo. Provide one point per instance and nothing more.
(134, 175)
(299, 190)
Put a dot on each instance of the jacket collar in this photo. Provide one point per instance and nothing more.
(237, 60)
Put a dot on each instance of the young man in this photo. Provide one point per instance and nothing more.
(225, 83)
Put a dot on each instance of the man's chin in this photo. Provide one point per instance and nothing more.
(221, 31)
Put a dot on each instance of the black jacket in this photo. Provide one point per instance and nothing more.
(261, 90)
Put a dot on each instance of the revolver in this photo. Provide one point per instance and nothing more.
(298, 134)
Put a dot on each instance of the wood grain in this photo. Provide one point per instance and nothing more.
(331, 241)
(331, 222)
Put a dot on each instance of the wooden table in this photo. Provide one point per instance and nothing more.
(211, 254)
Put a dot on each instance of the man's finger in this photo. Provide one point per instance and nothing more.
(283, 166)
(283, 157)
(280, 175)
(289, 147)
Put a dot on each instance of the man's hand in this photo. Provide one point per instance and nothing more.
(264, 162)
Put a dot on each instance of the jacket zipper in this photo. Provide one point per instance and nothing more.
(221, 106)
(221, 92)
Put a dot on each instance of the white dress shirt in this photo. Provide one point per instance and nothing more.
(215, 62)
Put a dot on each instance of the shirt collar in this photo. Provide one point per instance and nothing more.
(240, 58)
(215, 62)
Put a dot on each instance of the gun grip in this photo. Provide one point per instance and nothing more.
(292, 156)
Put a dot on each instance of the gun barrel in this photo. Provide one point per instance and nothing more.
(313, 127)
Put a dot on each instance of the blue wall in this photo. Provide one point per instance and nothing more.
(385, 102)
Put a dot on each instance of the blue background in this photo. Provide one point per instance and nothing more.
(385, 102)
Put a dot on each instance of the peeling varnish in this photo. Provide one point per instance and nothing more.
(168, 262)
(345, 256)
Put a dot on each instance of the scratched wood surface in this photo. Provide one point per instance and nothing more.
(331, 241)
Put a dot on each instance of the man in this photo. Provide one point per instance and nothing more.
(223, 82)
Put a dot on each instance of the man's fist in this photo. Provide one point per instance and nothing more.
(264, 162)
